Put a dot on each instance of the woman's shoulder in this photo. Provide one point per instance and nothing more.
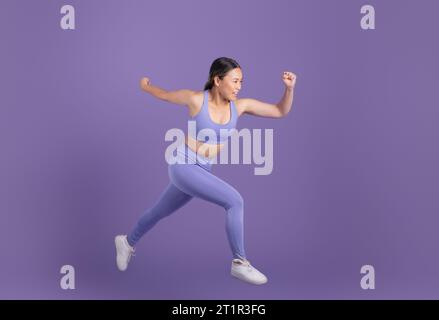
(196, 102)
(198, 98)
(198, 95)
(240, 105)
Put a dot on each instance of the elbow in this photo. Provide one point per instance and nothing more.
(281, 113)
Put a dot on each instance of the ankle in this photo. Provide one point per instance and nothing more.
(129, 244)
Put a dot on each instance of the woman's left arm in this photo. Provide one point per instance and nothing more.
(263, 109)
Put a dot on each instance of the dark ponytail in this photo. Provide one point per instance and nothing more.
(219, 68)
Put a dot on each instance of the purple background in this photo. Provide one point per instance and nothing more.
(355, 177)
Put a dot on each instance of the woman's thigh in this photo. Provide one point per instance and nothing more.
(200, 183)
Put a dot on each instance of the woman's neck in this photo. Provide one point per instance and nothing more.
(217, 99)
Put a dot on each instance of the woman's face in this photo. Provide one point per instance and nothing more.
(230, 85)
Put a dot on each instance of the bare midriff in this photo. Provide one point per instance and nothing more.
(203, 149)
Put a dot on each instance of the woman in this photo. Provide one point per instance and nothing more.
(216, 108)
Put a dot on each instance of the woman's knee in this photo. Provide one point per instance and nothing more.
(235, 200)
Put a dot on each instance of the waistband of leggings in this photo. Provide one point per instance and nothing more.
(188, 153)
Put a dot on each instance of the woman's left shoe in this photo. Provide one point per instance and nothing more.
(124, 252)
(243, 270)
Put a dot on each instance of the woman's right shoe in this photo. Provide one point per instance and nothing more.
(243, 270)
(124, 252)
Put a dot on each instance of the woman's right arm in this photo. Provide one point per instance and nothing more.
(182, 97)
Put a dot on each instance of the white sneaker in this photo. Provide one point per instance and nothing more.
(124, 252)
(242, 269)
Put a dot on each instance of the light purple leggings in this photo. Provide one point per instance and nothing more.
(190, 180)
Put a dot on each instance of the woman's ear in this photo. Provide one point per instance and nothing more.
(216, 81)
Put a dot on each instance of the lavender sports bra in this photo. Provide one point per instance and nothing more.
(203, 121)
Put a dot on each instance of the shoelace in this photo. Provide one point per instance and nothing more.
(131, 250)
(132, 253)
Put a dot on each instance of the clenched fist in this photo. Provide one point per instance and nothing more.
(144, 82)
(289, 79)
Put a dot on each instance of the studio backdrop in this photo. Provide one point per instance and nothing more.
(348, 210)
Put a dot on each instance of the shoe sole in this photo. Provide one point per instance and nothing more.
(242, 278)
